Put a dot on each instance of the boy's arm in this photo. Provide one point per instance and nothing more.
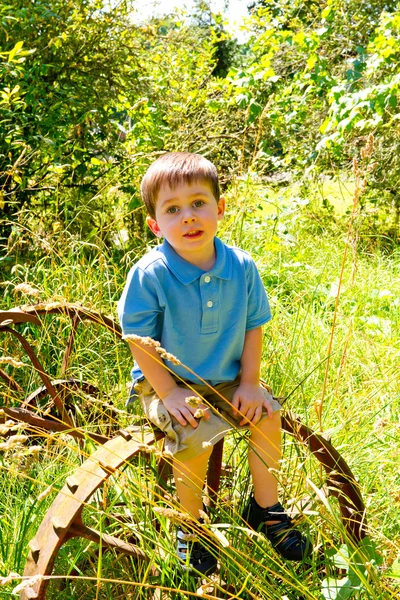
(249, 399)
(172, 396)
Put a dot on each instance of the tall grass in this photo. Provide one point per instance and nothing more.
(299, 253)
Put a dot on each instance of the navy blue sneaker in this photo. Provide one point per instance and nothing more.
(200, 560)
(289, 542)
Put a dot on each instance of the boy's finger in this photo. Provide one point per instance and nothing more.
(206, 412)
(257, 415)
(235, 404)
(178, 417)
(268, 407)
(190, 418)
(200, 412)
(247, 416)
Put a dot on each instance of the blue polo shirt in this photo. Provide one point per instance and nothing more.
(199, 316)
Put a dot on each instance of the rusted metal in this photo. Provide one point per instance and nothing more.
(42, 374)
(341, 482)
(11, 383)
(31, 314)
(63, 519)
(55, 389)
(26, 416)
(65, 385)
(214, 471)
(107, 541)
(17, 315)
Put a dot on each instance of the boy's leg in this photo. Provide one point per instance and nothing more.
(265, 453)
(264, 509)
(189, 480)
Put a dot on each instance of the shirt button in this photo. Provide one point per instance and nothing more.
(207, 279)
(209, 303)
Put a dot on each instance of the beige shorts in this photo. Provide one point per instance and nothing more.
(186, 442)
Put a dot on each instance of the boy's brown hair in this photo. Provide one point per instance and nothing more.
(173, 169)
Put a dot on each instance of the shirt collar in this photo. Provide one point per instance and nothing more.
(187, 273)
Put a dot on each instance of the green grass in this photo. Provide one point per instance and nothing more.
(299, 253)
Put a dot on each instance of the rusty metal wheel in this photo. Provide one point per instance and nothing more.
(64, 520)
(67, 402)
(88, 410)
(86, 405)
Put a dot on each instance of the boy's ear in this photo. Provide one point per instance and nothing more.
(221, 208)
(153, 225)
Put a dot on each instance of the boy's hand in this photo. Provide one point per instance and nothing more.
(176, 405)
(249, 400)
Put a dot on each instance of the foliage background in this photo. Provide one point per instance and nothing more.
(89, 96)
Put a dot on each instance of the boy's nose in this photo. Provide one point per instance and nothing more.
(189, 217)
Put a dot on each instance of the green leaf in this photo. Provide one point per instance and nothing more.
(312, 61)
(242, 100)
(255, 110)
(325, 125)
(394, 571)
(338, 589)
(16, 178)
(15, 50)
(134, 203)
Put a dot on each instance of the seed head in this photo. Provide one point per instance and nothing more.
(27, 289)
(9, 360)
(193, 401)
(46, 493)
(168, 356)
(199, 413)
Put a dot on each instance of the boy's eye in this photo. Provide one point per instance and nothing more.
(172, 210)
(198, 203)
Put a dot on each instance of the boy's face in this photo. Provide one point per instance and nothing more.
(187, 216)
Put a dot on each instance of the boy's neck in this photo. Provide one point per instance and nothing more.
(202, 260)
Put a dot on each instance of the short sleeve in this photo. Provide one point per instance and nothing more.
(258, 309)
(139, 309)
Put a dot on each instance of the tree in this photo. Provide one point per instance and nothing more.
(64, 67)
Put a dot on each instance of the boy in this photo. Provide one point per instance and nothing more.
(205, 303)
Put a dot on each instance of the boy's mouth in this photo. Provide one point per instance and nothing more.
(195, 233)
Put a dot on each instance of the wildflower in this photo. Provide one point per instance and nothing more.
(55, 304)
(206, 444)
(148, 341)
(369, 145)
(27, 289)
(147, 449)
(189, 537)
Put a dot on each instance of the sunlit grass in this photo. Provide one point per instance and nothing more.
(300, 269)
